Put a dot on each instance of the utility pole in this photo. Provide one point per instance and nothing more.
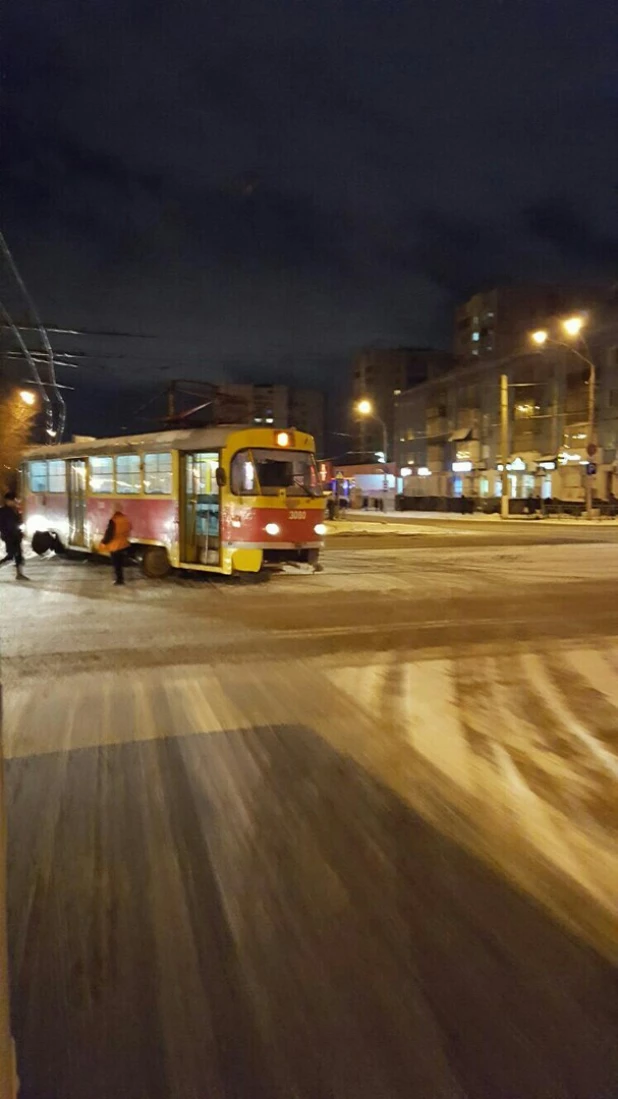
(592, 379)
(385, 449)
(504, 443)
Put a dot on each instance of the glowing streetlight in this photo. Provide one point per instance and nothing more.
(365, 408)
(573, 325)
(27, 397)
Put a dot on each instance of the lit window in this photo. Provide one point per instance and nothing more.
(476, 336)
(242, 474)
(128, 474)
(158, 474)
(101, 475)
(37, 476)
(57, 475)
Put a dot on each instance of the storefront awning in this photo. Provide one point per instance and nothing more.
(461, 435)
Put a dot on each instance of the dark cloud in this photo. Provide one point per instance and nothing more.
(267, 185)
(556, 221)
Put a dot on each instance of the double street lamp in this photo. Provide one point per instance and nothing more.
(572, 327)
(366, 408)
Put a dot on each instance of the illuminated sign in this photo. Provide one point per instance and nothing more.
(462, 467)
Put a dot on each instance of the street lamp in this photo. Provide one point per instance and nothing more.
(572, 327)
(365, 407)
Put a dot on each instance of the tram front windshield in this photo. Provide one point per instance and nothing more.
(267, 472)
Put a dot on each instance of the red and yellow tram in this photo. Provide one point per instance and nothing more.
(217, 499)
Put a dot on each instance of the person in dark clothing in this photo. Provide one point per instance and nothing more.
(116, 542)
(11, 533)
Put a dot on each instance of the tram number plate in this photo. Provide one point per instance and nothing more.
(297, 514)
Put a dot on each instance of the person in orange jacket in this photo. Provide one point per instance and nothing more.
(116, 542)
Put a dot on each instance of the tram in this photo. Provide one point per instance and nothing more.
(216, 499)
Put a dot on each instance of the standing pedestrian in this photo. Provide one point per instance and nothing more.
(116, 542)
(11, 533)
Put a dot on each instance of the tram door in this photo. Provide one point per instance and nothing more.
(76, 470)
(200, 510)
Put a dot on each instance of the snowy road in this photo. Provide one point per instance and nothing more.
(350, 834)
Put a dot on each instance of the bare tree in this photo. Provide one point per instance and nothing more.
(17, 420)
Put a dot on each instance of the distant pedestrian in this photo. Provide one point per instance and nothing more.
(365, 503)
(116, 542)
(11, 533)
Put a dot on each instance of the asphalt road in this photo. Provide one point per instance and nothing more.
(328, 837)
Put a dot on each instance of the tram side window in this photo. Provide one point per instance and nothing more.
(128, 474)
(101, 474)
(158, 474)
(37, 476)
(56, 471)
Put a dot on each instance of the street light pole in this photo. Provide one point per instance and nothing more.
(573, 327)
(504, 444)
(385, 452)
(592, 380)
(365, 408)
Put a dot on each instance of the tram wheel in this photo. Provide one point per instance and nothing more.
(155, 563)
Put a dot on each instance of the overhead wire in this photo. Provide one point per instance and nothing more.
(49, 417)
(58, 432)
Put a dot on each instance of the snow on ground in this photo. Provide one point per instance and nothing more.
(357, 525)
(68, 604)
(529, 736)
(521, 742)
(448, 570)
(479, 517)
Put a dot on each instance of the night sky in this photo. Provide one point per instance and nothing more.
(266, 185)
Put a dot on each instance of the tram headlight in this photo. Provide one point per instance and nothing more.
(272, 529)
(320, 529)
